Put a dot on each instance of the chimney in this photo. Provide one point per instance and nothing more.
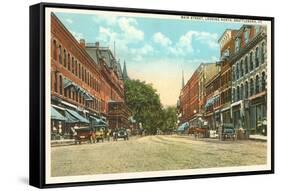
(97, 44)
(82, 43)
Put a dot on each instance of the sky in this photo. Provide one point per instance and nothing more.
(156, 50)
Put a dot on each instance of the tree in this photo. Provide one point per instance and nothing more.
(144, 102)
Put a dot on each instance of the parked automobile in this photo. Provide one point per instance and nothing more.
(228, 132)
(120, 134)
(85, 134)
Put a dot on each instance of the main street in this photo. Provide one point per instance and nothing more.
(152, 153)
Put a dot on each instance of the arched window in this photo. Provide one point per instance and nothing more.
(233, 73)
(61, 84)
(76, 72)
(55, 49)
(64, 58)
(246, 89)
(257, 57)
(251, 87)
(257, 84)
(72, 65)
(262, 52)
(251, 61)
(241, 68)
(246, 64)
(237, 71)
(238, 93)
(241, 91)
(263, 81)
(60, 54)
(68, 61)
(79, 70)
(56, 82)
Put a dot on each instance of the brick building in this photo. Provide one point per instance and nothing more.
(226, 41)
(81, 85)
(249, 76)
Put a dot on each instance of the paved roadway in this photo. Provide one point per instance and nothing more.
(152, 153)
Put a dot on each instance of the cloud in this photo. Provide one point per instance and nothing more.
(77, 35)
(106, 19)
(128, 26)
(70, 21)
(161, 39)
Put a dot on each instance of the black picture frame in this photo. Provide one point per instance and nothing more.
(37, 95)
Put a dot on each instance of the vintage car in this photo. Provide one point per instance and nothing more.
(227, 132)
(100, 134)
(85, 134)
(120, 134)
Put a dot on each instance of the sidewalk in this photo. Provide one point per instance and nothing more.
(258, 137)
(62, 142)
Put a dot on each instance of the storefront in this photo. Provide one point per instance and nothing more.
(258, 115)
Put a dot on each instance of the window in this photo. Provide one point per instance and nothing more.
(55, 49)
(237, 44)
(64, 58)
(61, 84)
(82, 73)
(238, 93)
(257, 57)
(56, 83)
(79, 70)
(251, 61)
(262, 53)
(263, 81)
(251, 87)
(257, 84)
(257, 29)
(246, 35)
(233, 73)
(72, 65)
(246, 64)
(241, 68)
(242, 91)
(76, 67)
(246, 89)
(60, 54)
(68, 61)
(237, 71)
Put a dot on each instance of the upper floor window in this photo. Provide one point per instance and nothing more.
(237, 71)
(262, 52)
(238, 93)
(242, 91)
(60, 54)
(257, 57)
(251, 87)
(64, 57)
(55, 49)
(72, 65)
(241, 68)
(251, 61)
(246, 35)
(257, 84)
(61, 85)
(237, 44)
(263, 81)
(246, 89)
(257, 29)
(68, 61)
(246, 64)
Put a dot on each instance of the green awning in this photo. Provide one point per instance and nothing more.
(77, 116)
(70, 118)
(55, 115)
(98, 121)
